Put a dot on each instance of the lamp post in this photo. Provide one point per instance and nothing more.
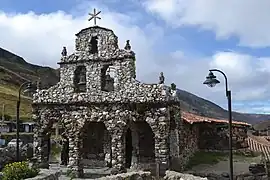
(28, 88)
(211, 81)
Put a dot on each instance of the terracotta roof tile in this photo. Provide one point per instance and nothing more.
(192, 118)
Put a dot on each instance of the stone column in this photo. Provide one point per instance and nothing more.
(118, 146)
(162, 144)
(41, 150)
(75, 154)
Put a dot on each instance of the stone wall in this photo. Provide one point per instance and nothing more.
(183, 143)
(189, 142)
(216, 136)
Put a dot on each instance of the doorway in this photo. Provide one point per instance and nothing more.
(128, 148)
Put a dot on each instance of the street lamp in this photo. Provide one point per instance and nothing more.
(211, 81)
(28, 88)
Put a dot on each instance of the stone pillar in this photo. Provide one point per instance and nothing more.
(162, 144)
(118, 146)
(41, 151)
(75, 155)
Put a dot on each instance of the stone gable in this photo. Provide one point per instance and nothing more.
(108, 64)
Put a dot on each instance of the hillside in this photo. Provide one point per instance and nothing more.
(203, 107)
(14, 70)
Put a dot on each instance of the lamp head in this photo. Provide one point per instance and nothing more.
(211, 80)
(30, 88)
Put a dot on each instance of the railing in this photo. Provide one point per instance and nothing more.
(259, 146)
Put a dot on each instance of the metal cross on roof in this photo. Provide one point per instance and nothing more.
(94, 16)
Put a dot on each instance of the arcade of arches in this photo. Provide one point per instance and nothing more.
(100, 139)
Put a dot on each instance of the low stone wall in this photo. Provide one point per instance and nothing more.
(225, 176)
(46, 174)
(145, 175)
(172, 175)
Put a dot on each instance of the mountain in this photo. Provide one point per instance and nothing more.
(197, 105)
(14, 70)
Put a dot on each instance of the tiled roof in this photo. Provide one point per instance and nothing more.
(192, 118)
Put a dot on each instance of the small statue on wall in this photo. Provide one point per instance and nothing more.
(128, 46)
(64, 51)
(161, 78)
(173, 86)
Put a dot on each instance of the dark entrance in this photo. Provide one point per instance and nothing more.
(128, 148)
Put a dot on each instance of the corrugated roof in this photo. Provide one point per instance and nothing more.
(192, 118)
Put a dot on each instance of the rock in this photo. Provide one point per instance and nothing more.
(226, 175)
(172, 175)
(255, 168)
(136, 175)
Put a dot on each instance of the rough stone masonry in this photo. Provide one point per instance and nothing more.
(109, 118)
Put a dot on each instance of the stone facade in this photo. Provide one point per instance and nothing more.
(200, 136)
(216, 137)
(109, 118)
(187, 145)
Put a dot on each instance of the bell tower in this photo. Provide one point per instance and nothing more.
(98, 64)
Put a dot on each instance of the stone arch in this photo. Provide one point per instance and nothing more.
(96, 140)
(93, 44)
(130, 139)
(108, 78)
(43, 130)
(80, 79)
(146, 145)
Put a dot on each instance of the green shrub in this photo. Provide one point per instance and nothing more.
(56, 149)
(19, 171)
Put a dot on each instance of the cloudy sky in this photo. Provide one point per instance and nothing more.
(182, 38)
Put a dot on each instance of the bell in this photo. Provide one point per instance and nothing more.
(82, 80)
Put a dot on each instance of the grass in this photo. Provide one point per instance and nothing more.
(9, 99)
(206, 158)
(212, 158)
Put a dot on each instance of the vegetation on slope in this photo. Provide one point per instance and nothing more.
(14, 71)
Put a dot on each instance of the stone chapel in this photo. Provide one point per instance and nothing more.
(108, 117)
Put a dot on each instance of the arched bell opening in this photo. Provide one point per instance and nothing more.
(80, 79)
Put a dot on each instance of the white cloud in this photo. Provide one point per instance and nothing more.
(39, 39)
(246, 19)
